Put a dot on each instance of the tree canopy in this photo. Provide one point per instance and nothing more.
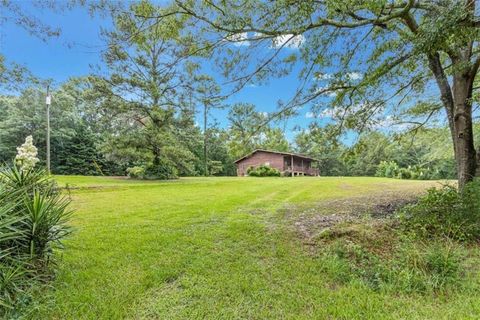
(376, 56)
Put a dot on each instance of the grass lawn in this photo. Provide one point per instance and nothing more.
(217, 248)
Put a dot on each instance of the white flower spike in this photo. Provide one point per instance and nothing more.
(26, 157)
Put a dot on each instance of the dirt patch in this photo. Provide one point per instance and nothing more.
(326, 217)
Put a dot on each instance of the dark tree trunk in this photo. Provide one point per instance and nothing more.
(465, 153)
(457, 103)
(477, 174)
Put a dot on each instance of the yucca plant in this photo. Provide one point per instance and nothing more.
(10, 220)
(12, 271)
(45, 222)
(33, 221)
(13, 281)
(42, 211)
(15, 178)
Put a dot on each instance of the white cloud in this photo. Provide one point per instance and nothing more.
(324, 76)
(354, 75)
(265, 114)
(389, 122)
(310, 115)
(325, 113)
(326, 92)
(288, 41)
(329, 112)
(330, 76)
(239, 39)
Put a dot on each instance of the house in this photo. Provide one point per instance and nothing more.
(287, 163)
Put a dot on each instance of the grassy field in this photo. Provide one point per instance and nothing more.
(218, 248)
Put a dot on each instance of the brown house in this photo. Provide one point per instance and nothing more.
(287, 163)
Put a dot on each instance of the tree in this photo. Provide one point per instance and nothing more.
(147, 88)
(75, 139)
(248, 131)
(77, 154)
(208, 96)
(323, 143)
(244, 122)
(364, 156)
(376, 54)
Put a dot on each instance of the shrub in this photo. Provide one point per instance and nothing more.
(164, 170)
(33, 221)
(445, 212)
(136, 172)
(388, 169)
(263, 171)
(404, 173)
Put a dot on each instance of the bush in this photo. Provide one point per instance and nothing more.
(445, 212)
(263, 171)
(404, 173)
(164, 170)
(33, 221)
(390, 169)
(136, 172)
(387, 169)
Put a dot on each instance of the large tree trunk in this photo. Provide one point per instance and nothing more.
(478, 162)
(465, 154)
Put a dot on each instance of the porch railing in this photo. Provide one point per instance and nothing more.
(309, 171)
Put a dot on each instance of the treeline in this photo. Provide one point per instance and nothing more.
(89, 137)
(92, 137)
(426, 153)
(140, 109)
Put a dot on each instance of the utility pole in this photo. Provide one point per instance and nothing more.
(205, 112)
(48, 101)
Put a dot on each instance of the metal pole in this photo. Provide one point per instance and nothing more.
(48, 101)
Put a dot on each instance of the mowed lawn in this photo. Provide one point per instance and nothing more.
(215, 248)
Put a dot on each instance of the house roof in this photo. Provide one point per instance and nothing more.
(275, 152)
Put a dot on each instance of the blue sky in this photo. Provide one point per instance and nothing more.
(79, 47)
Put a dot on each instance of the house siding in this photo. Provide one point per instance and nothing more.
(259, 158)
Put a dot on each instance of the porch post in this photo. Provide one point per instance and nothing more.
(291, 163)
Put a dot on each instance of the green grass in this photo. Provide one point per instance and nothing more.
(199, 248)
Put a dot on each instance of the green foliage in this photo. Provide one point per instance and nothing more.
(388, 169)
(215, 167)
(164, 169)
(136, 172)
(323, 143)
(415, 267)
(77, 154)
(263, 171)
(375, 153)
(46, 223)
(445, 212)
(75, 148)
(249, 130)
(33, 221)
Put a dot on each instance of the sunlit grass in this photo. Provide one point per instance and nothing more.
(199, 248)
